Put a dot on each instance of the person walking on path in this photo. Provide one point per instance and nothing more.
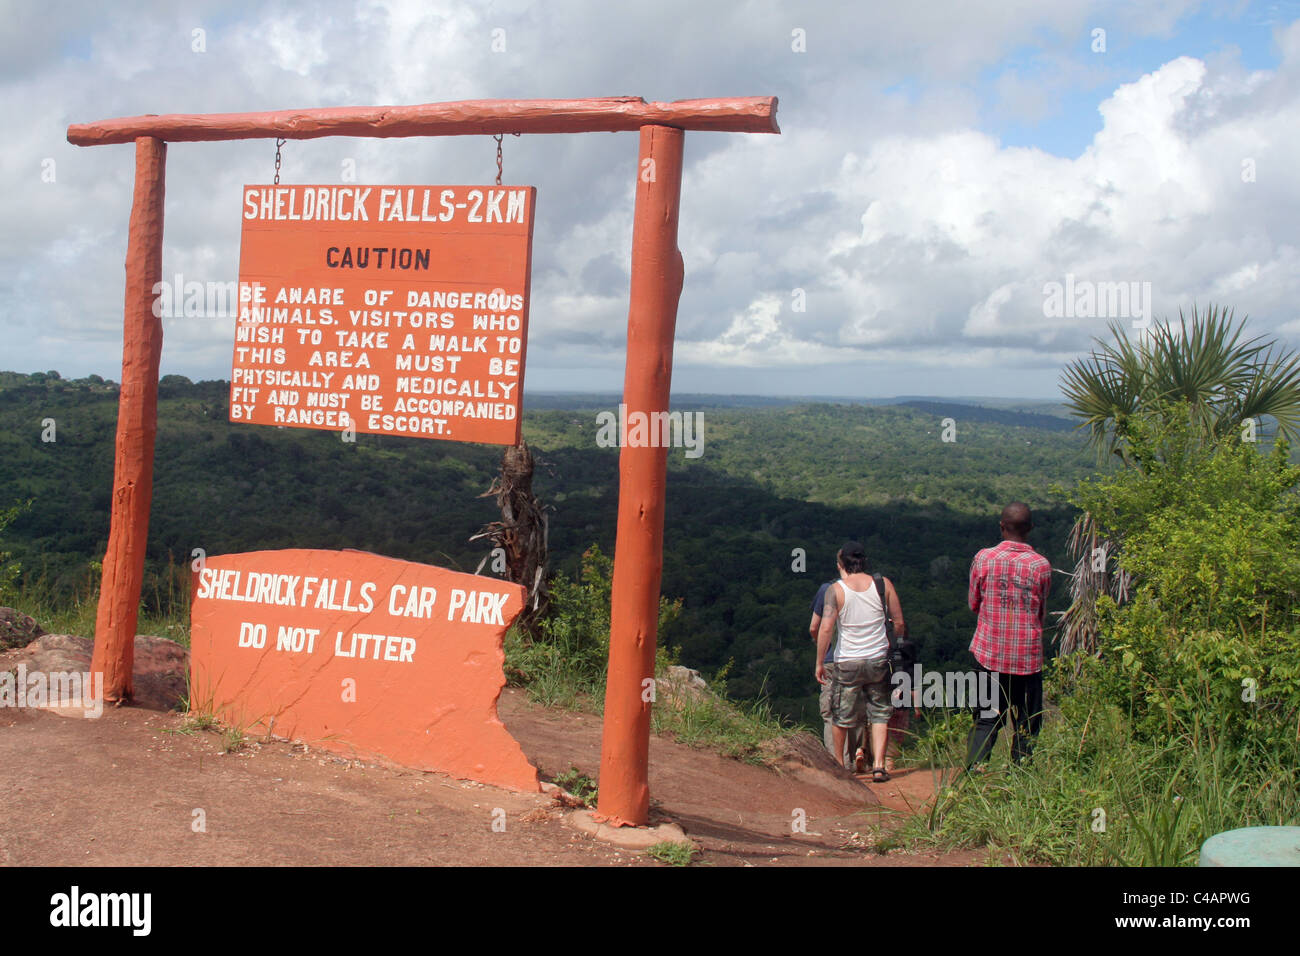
(860, 670)
(854, 737)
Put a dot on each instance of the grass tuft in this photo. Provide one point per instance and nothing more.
(1096, 794)
(672, 853)
(577, 783)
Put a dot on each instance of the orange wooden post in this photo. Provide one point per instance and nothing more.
(638, 550)
(137, 424)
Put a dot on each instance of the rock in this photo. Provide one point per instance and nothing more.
(687, 675)
(161, 666)
(161, 672)
(681, 681)
(17, 629)
(805, 758)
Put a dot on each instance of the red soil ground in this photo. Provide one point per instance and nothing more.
(123, 790)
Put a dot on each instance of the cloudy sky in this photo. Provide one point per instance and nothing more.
(940, 164)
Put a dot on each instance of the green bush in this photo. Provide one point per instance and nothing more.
(1237, 689)
(1097, 793)
(1207, 645)
(1210, 530)
(1186, 723)
(566, 665)
(9, 568)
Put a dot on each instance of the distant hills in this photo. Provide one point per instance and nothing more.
(1042, 413)
(998, 416)
(542, 400)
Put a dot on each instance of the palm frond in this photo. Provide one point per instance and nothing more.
(1094, 557)
(1274, 393)
(1202, 362)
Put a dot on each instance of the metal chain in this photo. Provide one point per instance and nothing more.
(281, 142)
(497, 137)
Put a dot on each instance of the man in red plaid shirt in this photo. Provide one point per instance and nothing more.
(1009, 584)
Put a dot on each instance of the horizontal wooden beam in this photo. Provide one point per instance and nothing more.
(746, 114)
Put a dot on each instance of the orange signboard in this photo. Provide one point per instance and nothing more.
(391, 310)
(360, 655)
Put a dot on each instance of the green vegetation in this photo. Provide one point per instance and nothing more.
(1185, 722)
(881, 474)
(1221, 381)
(9, 569)
(710, 719)
(566, 666)
(774, 478)
(164, 608)
(1096, 794)
(577, 783)
(1207, 644)
(200, 721)
(1200, 372)
(673, 853)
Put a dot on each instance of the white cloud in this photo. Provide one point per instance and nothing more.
(917, 238)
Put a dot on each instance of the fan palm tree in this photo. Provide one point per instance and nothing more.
(1204, 362)
(1201, 365)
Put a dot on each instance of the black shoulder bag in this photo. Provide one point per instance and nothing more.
(898, 646)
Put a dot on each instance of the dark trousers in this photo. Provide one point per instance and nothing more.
(1020, 701)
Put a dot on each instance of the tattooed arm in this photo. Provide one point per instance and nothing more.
(830, 614)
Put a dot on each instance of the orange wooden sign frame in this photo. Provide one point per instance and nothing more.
(656, 285)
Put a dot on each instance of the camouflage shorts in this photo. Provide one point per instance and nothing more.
(858, 689)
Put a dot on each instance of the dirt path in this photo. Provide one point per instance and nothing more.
(131, 789)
